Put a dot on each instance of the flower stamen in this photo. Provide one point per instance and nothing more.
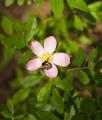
(46, 57)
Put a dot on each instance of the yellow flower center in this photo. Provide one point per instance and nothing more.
(46, 57)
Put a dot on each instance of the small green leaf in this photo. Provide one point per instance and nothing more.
(69, 77)
(38, 1)
(25, 57)
(29, 81)
(21, 95)
(83, 77)
(57, 7)
(78, 23)
(10, 106)
(63, 84)
(96, 10)
(9, 2)
(57, 101)
(86, 40)
(19, 27)
(45, 115)
(78, 101)
(91, 60)
(69, 115)
(31, 117)
(19, 34)
(10, 42)
(7, 25)
(95, 6)
(44, 93)
(19, 117)
(63, 25)
(6, 114)
(74, 46)
(78, 4)
(71, 3)
(31, 28)
(20, 2)
(8, 53)
(80, 55)
(92, 56)
(28, 2)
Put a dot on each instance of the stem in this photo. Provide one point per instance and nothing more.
(77, 68)
(12, 118)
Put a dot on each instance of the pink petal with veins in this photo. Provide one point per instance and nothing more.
(50, 44)
(37, 48)
(51, 73)
(34, 64)
(61, 59)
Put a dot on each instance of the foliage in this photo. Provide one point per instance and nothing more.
(70, 96)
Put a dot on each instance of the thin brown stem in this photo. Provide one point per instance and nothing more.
(78, 68)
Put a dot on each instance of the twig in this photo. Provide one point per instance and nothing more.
(77, 68)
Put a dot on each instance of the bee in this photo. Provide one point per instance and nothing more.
(46, 65)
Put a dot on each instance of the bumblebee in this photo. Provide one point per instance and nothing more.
(46, 65)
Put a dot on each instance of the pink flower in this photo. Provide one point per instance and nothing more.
(46, 59)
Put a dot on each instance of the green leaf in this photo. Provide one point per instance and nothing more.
(20, 2)
(19, 34)
(45, 115)
(78, 23)
(89, 17)
(80, 55)
(73, 45)
(69, 77)
(86, 40)
(6, 114)
(57, 101)
(78, 101)
(19, 27)
(8, 53)
(78, 4)
(19, 117)
(29, 81)
(69, 115)
(91, 60)
(83, 77)
(96, 10)
(13, 42)
(63, 25)
(44, 93)
(10, 42)
(16, 40)
(92, 56)
(39, 1)
(28, 2)
(10, 106)
(9, 2)
(31, 117)
(95, 6)
(57, 7)
(31, 28)
(25, 57)
(63, 84)
(7, 25)
(21, 95)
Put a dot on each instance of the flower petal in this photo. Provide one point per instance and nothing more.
(50, 44)
(34, 64)
(51, 73)
(37, 48)
(61, 59)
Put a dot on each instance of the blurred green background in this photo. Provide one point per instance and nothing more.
(76, 94)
